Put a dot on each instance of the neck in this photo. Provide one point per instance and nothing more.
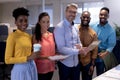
(84, 26)
(102, 24)
(44, 32)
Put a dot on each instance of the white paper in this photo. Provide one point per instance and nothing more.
(93, 45)
(58, 57)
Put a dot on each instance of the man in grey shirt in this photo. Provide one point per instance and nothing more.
(68, 43)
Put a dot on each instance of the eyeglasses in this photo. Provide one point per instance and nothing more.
(72, 12)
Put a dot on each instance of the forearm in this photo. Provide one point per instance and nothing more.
(68, 51)
(14, 60)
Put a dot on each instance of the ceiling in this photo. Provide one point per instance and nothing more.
(4, 1)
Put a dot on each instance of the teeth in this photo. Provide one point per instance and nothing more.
(85, 21)
(103, 19)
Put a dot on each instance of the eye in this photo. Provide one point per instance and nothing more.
(22, 20)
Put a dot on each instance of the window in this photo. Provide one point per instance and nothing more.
(35, 10)
(92, 7)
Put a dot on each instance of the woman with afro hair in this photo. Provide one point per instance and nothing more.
(19, 49)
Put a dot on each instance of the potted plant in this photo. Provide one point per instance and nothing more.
(117, 29)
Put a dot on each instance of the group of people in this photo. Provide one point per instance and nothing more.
(67, 40)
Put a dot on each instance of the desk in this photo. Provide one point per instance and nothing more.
(112, 74)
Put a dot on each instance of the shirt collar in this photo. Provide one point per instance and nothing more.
(68, 23)
(21, 32)
(104, 26)
(80, 27)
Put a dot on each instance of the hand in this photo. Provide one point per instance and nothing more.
(78, 46)
(91, 70)
(103, 54)
(84, 50)
(34, 55)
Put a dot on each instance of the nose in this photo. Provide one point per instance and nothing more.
(86, 18)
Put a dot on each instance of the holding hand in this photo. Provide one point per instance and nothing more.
(84, 50)
(103, 54)
(34, 55)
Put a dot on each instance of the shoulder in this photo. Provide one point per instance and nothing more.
(92, 31)
(12, 35)
(77, 26)
(110, 28)
(59, 27)
(94, 24)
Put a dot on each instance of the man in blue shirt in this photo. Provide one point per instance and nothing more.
(106, 34)
(68, 43)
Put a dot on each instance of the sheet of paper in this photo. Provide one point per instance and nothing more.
(58, 57)
(93, 44)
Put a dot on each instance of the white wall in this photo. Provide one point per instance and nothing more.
(114, 6)
(6, 14)
(7, 8)
(1, 13)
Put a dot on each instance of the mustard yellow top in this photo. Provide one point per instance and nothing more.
(18, 47)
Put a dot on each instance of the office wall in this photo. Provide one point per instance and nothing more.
(7, 8)
(1, 13)
(6, 15)
(114, 6)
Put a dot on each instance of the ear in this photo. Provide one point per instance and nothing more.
(108, 16)
(80, 17)
(16, 23)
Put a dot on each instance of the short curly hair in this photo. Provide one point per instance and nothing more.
(20, 11)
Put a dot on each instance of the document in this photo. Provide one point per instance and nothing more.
(58, 57)
(93, 45)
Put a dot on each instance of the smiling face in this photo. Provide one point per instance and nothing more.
(85, 19)
(71, 13)
(45, 23)
(22, 22)
(103, 16)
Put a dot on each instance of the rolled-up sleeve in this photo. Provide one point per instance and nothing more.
(111, 41)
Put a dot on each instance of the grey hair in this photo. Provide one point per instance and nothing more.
(73, 5)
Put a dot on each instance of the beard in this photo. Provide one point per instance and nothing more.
(103, 21)
(85, 23)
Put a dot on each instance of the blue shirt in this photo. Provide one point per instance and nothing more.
(106, 34)
(66, 36)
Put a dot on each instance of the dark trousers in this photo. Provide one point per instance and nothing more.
(47, 76)
(100, 66)
(85, 72)
(68, 73)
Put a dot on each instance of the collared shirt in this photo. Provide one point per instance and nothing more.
(87, 36)
(66, 37)
(106, 34)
